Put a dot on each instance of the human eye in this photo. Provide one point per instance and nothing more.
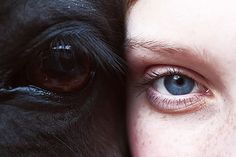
(172, 89)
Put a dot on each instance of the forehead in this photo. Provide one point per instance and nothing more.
(207, 26)
(202, 23)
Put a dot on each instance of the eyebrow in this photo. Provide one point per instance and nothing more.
(169, 49)
(194, 58)
(156, 46)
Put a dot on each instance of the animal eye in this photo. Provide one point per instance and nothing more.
(62, 69)
(64, 58)
(175, 90)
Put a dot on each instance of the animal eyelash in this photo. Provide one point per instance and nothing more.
(81, 36)
(86, 38)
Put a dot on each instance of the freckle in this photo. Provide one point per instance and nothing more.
(164, 116)
(138, 116)
(234, 127)
(150, 113)
(143, 143)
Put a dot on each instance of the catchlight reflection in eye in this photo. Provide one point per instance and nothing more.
(63, 70)
(175, 89)
(175, 85)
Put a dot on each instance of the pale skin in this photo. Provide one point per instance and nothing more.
(193, 38)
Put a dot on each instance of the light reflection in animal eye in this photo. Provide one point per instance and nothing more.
(63, 70)
(62, 47)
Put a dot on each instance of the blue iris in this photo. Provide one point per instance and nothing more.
(179, 84)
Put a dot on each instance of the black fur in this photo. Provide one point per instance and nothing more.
(35, 122)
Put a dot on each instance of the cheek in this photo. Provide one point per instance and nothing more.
(150, 137)
(146, 135)
(136, 129)
(202, 133)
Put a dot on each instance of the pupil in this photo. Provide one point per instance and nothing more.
(66, 61)
(178, 84)
(64, 69)
(64, 64)
(179, 80)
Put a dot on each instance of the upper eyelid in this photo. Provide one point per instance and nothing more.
(161, 106)
(72, 27)
(169, 70)
(150, 76)
(161, 52)
(84, 35)
(27, 24)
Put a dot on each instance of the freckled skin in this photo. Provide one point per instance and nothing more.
(207, 25)
(86, 123)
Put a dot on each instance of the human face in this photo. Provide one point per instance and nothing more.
(182, 59)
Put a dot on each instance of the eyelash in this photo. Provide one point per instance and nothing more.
(82, 36)
(174, 104)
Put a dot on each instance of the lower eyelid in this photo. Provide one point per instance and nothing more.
(175, 104)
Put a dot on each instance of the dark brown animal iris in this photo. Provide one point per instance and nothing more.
(63, 69)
